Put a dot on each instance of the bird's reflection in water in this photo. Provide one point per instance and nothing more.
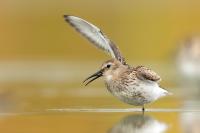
(138, 124)
(190, 120)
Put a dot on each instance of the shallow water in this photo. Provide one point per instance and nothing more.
(52, 99)
(112, 121)
(32, 108)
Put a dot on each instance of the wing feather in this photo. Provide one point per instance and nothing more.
(95, 35)
(144, 73)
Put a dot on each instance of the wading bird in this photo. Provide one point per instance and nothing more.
(133, 85)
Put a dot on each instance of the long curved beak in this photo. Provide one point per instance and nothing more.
(93, 77)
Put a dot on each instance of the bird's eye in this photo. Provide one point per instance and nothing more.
(108, 66)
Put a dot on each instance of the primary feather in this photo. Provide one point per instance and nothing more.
(94, 35)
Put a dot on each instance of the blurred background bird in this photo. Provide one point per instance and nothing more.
(188, 65)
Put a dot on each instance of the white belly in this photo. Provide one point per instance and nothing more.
(139, 94)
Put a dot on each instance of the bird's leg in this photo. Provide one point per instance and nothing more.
(143, 109)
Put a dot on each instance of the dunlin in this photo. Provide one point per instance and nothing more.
(133, 85)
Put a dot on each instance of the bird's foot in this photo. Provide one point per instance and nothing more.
(143, 110)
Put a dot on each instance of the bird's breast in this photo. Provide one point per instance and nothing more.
(109, 78)
(135, 92)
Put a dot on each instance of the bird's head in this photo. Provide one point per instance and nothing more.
(108, 69)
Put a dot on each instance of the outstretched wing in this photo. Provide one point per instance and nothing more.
(144, 73)
(95, 35)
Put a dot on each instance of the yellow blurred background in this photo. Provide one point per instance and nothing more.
(43, 60)
(144, 30)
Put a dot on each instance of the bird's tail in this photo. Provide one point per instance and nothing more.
(166, 93)
(169, 93)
